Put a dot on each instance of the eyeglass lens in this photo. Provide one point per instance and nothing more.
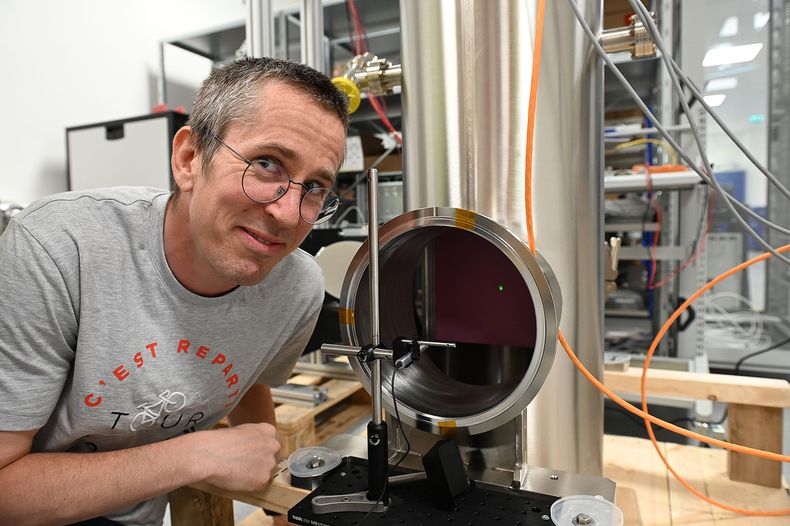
(264, 182)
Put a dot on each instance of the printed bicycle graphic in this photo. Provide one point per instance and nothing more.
(167, 403)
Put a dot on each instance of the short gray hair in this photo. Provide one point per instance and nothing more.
(230, 94)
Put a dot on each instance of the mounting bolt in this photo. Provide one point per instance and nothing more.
(583, 519)
(554, 477)
(545, 517)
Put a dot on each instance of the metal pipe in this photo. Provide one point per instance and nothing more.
(373, 245)
(162, 82)
(260, 28)
(347, 350)
(311, 34)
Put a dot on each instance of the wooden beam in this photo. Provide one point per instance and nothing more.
(193, 507)
(761, 428)
(278, 496)
(747, 390)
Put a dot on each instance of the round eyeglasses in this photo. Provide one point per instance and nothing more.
(265, 181)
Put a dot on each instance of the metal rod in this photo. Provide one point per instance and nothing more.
(346, 350)
(260, 28)
(373, 267)
(311, 34)
(343, 350)
(447, 345)
(162, 80)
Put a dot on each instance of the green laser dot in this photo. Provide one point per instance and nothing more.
(501, 288)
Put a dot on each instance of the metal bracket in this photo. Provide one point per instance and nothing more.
(349, 502)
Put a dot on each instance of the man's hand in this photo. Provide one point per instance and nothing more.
(240, 458)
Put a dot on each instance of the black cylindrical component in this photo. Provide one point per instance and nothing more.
(377, 462)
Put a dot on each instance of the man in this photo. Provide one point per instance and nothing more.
(132, 317)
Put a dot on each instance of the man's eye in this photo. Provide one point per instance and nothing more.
(267, 166)
(311, 185)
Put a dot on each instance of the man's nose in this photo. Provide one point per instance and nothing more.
(286, 209)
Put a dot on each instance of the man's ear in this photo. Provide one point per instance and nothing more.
(185, 160)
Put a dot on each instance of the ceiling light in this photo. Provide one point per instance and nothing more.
(715, 100)
(730, 27)
(760, 19)
(721, 84)
(721, 56)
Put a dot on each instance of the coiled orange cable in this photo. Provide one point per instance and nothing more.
(644, 414)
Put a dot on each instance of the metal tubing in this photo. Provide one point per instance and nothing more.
(347, 350)
(162, 81)
(373, 246)
(260, 28)
(311, 33)
(342, 350)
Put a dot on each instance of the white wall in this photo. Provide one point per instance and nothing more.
(66, 63)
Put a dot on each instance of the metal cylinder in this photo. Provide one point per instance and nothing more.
(260, 28)
(466, 72)
(373, 258)
(311, 34)
(505, 323)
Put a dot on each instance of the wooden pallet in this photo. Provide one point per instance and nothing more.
(650, 496)
(296, 425)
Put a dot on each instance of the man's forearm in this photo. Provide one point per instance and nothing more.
(255, 406)
(60, 488)
(57, 488)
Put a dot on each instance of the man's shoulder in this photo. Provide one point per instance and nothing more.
(299, 273)
(303, 264)
(74, 205)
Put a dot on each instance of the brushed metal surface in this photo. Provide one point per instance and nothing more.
(466, 71)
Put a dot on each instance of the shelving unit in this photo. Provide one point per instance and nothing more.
(382, 26)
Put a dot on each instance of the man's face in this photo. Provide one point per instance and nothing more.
(234, 240)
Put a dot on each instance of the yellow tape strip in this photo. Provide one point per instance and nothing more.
(448, 424)
(465, 219)
(346, 316)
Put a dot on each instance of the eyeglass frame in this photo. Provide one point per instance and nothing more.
(305, 190)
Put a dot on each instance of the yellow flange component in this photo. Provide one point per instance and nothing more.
(351, 90)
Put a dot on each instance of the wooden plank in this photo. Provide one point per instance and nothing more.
(278, 496)
(706, 470)
(767, 392)
(632, 463)
(193, 507)
(685, 508)
(305, 379)
(291, 417)
(761, 428)
(628, 502)
(256, 518)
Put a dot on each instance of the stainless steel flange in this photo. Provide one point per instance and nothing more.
(506, 342)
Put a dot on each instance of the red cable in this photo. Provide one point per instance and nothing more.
(360, 37)
(653, 205)
(360, 47)
(700, 245)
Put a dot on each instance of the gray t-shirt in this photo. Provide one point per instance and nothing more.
(103, 349)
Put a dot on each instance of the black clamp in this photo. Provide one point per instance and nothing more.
(365, 354)
(405, 351)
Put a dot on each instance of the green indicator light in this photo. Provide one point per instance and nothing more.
(501, 288)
